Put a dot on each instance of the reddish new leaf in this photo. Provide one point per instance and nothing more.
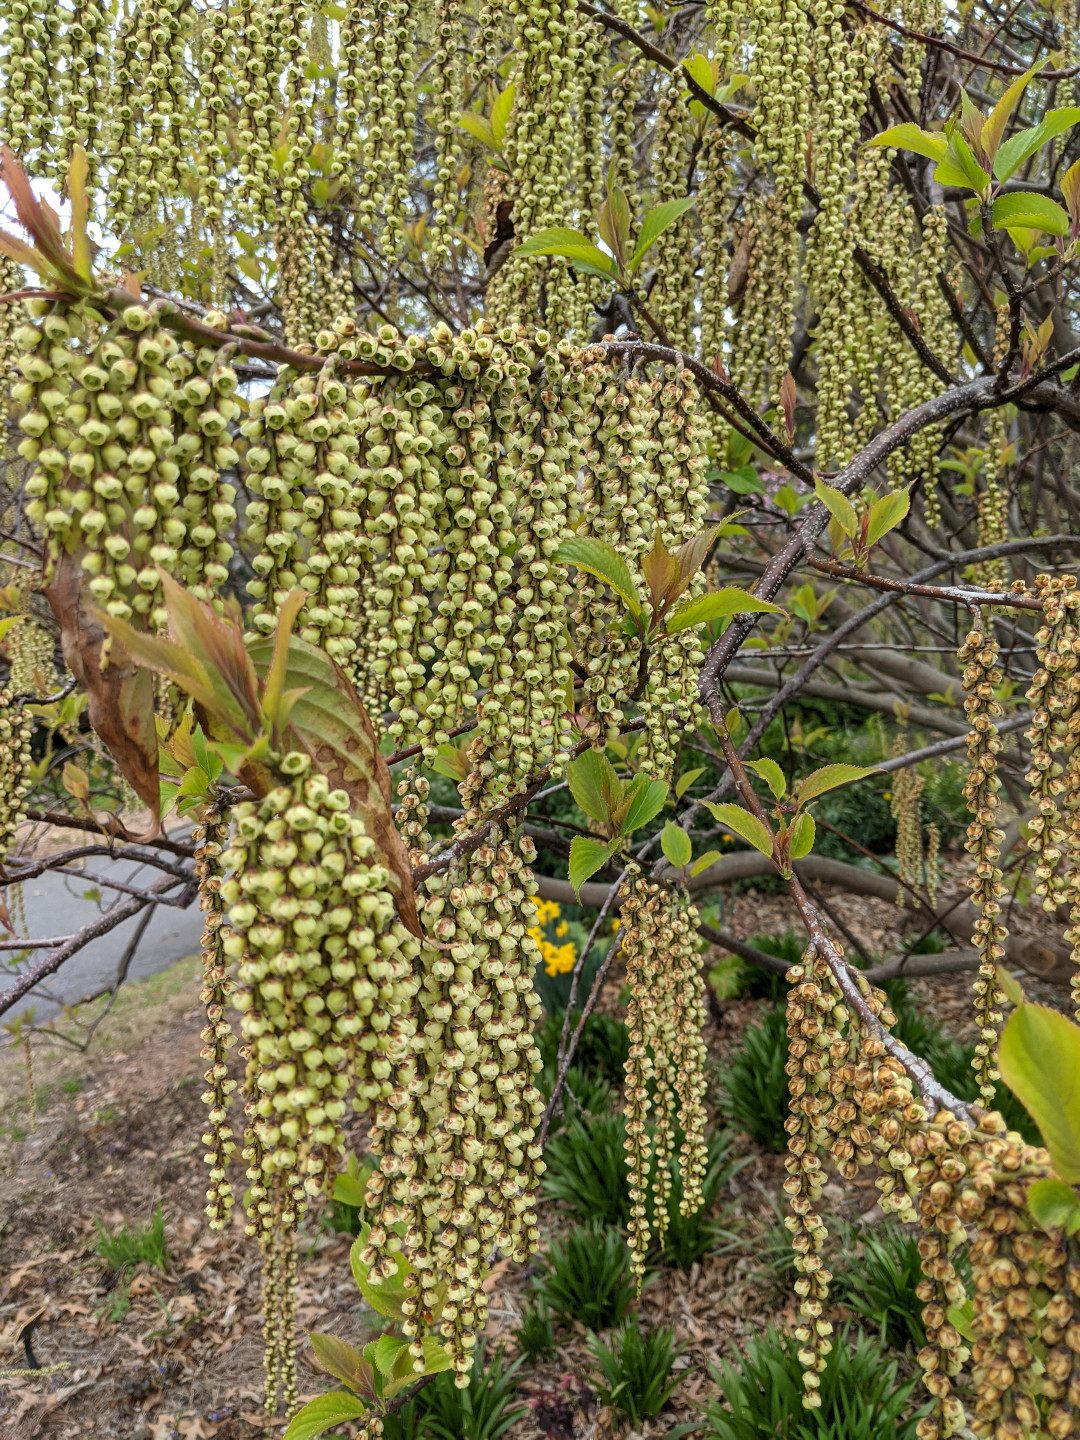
(121, 693)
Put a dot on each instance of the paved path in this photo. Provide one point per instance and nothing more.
(58, 905)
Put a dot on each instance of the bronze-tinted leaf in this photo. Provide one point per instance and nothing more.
(331, 724)
(121, 694)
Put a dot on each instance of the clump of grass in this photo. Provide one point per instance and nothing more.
(635, 1370)
(133, 1245)
(586, 1277)
(536, 1334)
(861, 1395)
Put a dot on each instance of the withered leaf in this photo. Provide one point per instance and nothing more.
(121, 694)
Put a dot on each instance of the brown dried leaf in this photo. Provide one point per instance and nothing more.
(121, 707)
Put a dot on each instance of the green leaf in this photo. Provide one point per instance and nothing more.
(593, 784)
(249, 267)
(828, 778)
(729, 601)
(342, 1360)
(960, 1317)
(436, 1359)
(9, 621)
(558, 235)
(771, 773)
(1031, 210)
(655, 223)
(803, 835)
(318, 1415)
(1014, 991)
(685, 781)
(838, 506)
(596, 558)
(886, 514)
(500, 114)
(910, 137)
(960, 167)
(744, 481)
(745, 825)
(385, 1297)
(387, 1350)
(702, 863)
(479, 127)
(1039, 1060)
(647, 799)
(994, 125)
(1052, 1204)
(348, 1191)
(675, 843)
(700, 68)
(589, 259)
(1020, 147)
(587, 856)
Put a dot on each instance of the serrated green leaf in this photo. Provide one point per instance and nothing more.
(1039, 1060)
(596, 558)
(886, 514)
(685, 781)
(910, 137)
(702, 863)
(960, 167)
(803, 835)
(387, 1350)
(1054, 1204)
(655, 223)
(436, 1359)
(593, 783)
(587, 856)
(675, 843)
(838, 506)
(770, 772)
(647, 799)
(555, 235)
(319, 1414)
(754, 831)
(829, 777)
(729, 601)
(1019, 148)
(1031, 210)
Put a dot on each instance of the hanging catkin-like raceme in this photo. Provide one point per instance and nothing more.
(665, 1075)
(211, 836)
(842, 66)
(456, 1136)
(907, 787)
(979, 657)
(15, 728)
(781, 71)
(671, 300)
(324, 976)
(1054, 777)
